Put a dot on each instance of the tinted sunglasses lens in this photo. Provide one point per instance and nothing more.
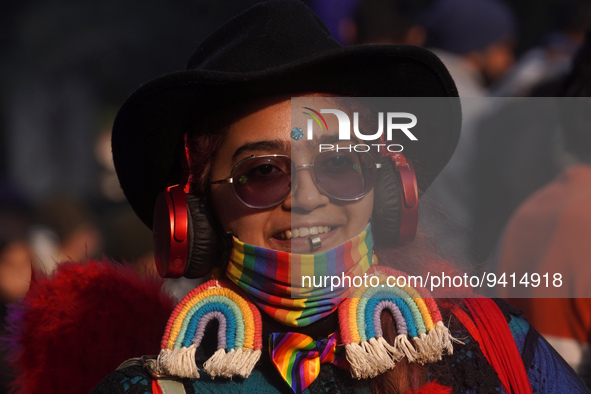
(345, 175)
(261, 182)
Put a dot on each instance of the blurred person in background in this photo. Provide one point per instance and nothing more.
(475, 40)
(15, 253)
(550, 231)
(551, 59)
(15, 261)
(15, 274)
(67, 231)
(519, 144)
(15, 257)
(385, 22)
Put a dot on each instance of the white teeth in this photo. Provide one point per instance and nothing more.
(304, 232)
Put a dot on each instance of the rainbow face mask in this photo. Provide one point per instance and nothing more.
(296, 289)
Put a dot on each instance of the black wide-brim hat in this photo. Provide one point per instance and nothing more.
(276, 47)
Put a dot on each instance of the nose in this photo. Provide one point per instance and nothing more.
(304, 192)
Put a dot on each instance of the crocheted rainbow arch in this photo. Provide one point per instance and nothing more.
(421, 335)
(239, 333)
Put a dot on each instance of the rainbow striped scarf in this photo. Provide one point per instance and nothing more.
(275, 281)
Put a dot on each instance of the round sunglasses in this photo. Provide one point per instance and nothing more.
(265, 181)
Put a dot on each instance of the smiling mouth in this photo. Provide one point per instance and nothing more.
(302, 232)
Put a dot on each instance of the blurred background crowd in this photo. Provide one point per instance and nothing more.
(67, 66)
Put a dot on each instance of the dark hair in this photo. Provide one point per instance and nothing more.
(202, 148)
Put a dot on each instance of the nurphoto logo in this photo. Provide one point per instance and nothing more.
(395, 122)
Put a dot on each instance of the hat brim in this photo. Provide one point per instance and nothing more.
(148, 133)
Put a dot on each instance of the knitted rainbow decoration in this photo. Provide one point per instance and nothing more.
(415, 314)
(239, 333)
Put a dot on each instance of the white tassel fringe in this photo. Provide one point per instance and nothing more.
(375, 356)
(181, 362)
(239, 362)
(178, 362)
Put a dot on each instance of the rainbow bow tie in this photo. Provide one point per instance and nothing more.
(297, 357)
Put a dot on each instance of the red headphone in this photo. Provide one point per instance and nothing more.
(173, 244)
(171, 232)
(409, 199)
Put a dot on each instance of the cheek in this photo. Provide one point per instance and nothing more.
(225, 205)
(366, 206)
(247, 224)
(359, 214)
(249, 229)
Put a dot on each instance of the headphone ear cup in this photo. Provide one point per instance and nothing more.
(396, 203)
(206, 246)
(170, 230)
(386, 211)
(409, 203)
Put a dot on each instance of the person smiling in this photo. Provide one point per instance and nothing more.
(213, 160)
(307, 206)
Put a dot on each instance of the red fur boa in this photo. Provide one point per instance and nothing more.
(77, 326)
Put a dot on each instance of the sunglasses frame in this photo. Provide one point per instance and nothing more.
(230, 179)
